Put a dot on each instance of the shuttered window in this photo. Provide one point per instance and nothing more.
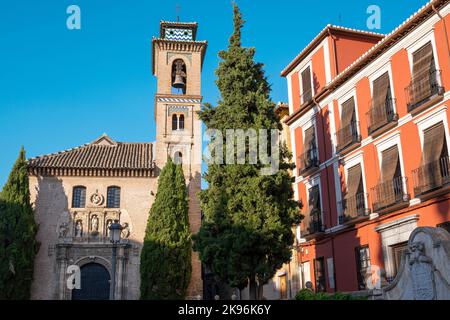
(433, 143)
(423, 61)
(423, 67)
(306, 85)
(354, 181)
(314, 198)
(348, 112)
(381, 92)
(389, 163)
(309, 139)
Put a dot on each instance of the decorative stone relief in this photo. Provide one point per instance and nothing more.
(125, 231)
(97, 199)
(424, 272)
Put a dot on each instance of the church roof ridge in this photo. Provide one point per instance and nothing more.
(99, 155)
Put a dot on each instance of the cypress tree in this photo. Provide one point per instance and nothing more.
(246, 232)
(166, 255)
(18, 230)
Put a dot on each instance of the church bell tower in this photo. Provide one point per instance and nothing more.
(177, 59)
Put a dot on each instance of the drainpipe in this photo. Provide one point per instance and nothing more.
(329, 203)
(445, 28)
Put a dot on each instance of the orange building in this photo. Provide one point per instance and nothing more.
(368, 120)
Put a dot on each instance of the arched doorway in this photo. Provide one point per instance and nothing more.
(95, 283)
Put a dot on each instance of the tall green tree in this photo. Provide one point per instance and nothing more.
(246, 232)
(166, 254)
(18, 229)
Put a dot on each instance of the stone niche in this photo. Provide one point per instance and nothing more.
(424, 272)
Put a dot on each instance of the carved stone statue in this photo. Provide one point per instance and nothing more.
(63, 230)
(78, 229)
(125, 231)
(108, 224)
(94, 224)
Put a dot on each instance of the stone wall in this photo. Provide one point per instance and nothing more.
(52, 198)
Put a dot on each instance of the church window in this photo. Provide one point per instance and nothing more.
(174, 122)
(113, 196)
(181, 122)
(79, 197)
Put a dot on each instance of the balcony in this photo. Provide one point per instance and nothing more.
(424, 91)
(390, 195)
(312, 223)
(431, 177)
(309, 161)
(348, 137)
(354, 208)
(381, 117)
(306, 97)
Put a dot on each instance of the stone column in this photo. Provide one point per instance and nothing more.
(61, 257)
(121, 260)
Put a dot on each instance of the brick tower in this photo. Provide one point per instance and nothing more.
(177, 60)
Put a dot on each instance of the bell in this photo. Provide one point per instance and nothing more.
(178, 82)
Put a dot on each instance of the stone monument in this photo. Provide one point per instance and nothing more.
(424, 272)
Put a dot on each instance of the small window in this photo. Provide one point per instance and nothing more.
(398, 251)
(178, 158)
(113, 197)
(174, 122)
(307, 93)
(181, 122)
(79, 197)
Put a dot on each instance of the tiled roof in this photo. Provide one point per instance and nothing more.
(320, 37)
(389, 39)
(103, 153)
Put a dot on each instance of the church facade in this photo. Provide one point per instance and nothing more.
(78, 193)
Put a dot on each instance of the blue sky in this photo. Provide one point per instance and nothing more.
(61, 88)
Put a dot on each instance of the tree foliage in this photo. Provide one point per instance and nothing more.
(246, 233)
(18, 229)
(166, 255)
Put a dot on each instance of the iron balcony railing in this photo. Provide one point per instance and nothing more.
(306, 97)
(312, 223)
(431, 176)
(389, 193)
(348, 135)
(308, 160)
(422, 88)
(354, 207)
(380, 115)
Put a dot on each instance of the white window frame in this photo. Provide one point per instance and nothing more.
(393, 139)
(420, 42)
(352, 161)
(344, 98)
(309, 64)
(429, 120)
(315, 136)
(310, 183)
(387, 67)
